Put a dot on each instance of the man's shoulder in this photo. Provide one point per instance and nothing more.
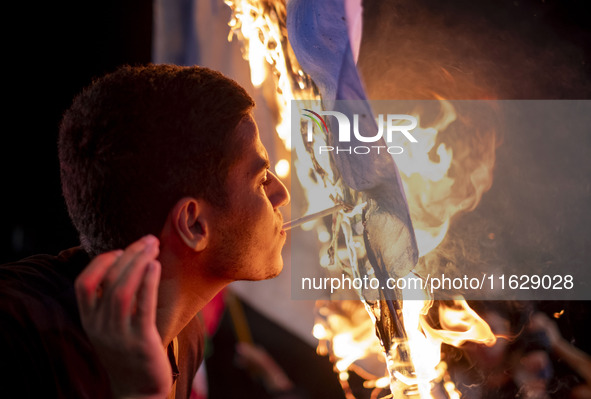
(37, 292)
(37, 297)
(40, 282)
(41, 333)
(67, 263)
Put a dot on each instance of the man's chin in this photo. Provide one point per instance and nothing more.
(267, 274)
(274, 273)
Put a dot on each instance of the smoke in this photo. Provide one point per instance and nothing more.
(474, 50)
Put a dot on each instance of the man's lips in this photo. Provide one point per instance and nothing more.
(280, 223)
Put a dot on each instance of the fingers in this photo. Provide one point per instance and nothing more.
(136, 252)
(108, 288)
(87, 283)
(127, 342)
(124, 279)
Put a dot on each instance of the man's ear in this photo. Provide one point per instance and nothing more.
(190, 221)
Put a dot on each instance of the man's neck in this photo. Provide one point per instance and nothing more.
(180, 299)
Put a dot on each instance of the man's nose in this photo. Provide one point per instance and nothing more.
(279, 196)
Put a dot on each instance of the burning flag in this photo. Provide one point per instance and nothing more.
(317, 66)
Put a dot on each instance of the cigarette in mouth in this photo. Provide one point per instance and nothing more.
(297, 222)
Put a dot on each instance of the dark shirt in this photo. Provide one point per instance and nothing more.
(44, 350)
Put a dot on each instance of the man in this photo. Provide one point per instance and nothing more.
(168, 184)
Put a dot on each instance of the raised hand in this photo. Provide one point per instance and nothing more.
(117, 295)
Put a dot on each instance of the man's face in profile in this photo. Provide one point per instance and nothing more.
(251, 236)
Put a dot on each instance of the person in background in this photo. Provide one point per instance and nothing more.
(576, 359)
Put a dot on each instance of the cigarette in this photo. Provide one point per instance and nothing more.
(297, 222)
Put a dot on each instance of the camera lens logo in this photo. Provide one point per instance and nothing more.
(318, 120)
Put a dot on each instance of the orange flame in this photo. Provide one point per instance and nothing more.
(446, 172)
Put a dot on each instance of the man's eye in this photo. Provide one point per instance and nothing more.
(266, 180)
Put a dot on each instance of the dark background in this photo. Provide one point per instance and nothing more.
(52, 51)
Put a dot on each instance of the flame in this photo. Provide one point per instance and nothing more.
(260, 27)
(558, 314)
(346, 333)
(442, 176)
(461, 324)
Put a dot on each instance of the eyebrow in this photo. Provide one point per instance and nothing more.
(260, 165)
